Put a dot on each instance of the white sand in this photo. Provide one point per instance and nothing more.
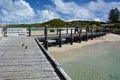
(68, 50)
(42, 32)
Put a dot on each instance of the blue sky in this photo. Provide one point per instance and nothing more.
(37, 11)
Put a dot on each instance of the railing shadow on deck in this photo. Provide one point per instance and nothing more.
(58, 69)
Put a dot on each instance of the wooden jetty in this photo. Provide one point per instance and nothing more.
(69, 37)
(23, 58)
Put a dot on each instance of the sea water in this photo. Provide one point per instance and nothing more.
(41, 28)
(96, 62)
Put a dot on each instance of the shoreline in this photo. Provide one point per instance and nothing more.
(67, 51)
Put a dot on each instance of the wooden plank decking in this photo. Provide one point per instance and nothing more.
(22, 59)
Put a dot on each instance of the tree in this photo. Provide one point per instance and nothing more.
(114, 15)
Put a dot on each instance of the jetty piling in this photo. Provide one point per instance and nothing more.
(71, 37)
(91, 33)
(29, 28)
(99, 32)
(95, 34)
(67, 30)
(86, 37)
(80, 35)
(57, 31)
(4, 31)
(60, 40)
(57, 40)
(45, 41)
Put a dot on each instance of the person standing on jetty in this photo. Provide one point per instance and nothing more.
(87, 29)
(97, 29)
(76, 28)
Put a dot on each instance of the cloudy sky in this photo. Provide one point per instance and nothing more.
(37, 11)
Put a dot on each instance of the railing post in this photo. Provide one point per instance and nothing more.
(45, 42)
(60, 41)
(71, 42)
(29, 31)
(67, 30)
(105, 30)
(99, 33)
(86, 34)
(57, 40)
(96, 34)
(92, 33)
(80, 35)
(57, 31)
(4, 31)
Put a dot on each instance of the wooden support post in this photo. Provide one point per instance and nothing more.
(86, 34)
(60, 41)
(29, 31)
(99, 33)
(105, 30)
(57, 31)
(95, 34)
(67, 30)
(80, 35)
(91, 33)
(4, 31)
(45, 42)
(71, 42)
(57, 40)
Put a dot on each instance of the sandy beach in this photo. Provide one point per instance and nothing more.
(68, 51)
(42, 32)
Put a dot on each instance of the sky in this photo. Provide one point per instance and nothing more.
(38, 11)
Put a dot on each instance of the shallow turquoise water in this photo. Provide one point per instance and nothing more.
(40, 28)
(37, 28)
(96, 62)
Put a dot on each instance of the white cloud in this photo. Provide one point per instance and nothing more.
(100, 9)
(20, 11)
(90, 11)
(72, 9)
(16, 11)
(96, 19)
(45, 15)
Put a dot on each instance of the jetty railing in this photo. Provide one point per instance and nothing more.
(58, 69)
(69, 37)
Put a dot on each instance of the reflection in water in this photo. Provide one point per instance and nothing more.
(96, 62)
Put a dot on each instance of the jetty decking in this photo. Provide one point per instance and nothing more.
(22, 59)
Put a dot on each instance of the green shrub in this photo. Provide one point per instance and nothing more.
(52, 30)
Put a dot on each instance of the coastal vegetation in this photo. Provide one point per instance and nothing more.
(56, 23)
(114, 16)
